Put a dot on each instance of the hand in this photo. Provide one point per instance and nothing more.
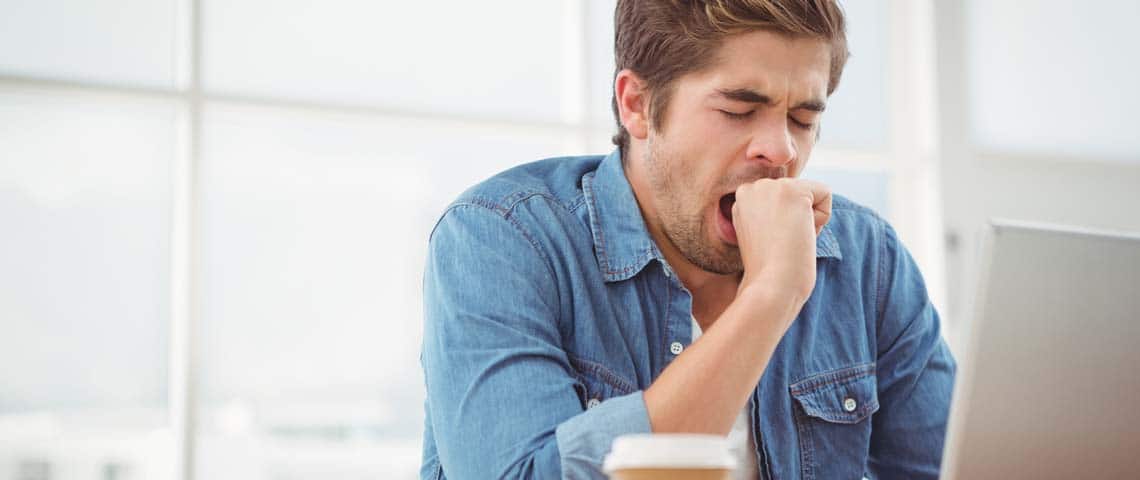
(777, 222)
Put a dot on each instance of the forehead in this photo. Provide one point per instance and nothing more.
(776, 64)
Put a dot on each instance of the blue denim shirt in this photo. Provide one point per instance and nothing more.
(548, 310)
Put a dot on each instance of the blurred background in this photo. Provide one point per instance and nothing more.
(214, 214)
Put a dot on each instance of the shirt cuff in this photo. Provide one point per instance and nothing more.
(585, 439)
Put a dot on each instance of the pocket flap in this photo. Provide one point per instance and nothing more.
(596, 383)
(847, 395)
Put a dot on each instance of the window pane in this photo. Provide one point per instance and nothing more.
(1055, 77)
(501, 58)
(109, 41)
(869, 188)
(857, 112)
(600, 55)
(316, 229)
(84, 280)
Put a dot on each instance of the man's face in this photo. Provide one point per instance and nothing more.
(754, 114)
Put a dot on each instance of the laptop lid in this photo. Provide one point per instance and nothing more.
(1049, 384)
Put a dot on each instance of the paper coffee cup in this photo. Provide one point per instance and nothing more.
(670, 456)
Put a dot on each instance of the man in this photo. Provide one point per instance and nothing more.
(562, 296)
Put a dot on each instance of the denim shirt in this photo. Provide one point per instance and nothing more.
(548, 310)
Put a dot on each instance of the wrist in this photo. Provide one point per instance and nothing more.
(768, 301)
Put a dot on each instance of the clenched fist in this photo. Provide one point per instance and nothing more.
(776, 222)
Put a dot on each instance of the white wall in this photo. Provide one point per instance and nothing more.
(1000, 171)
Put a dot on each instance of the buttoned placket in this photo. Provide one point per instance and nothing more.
(678, 330)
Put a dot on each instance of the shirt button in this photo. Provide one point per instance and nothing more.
(849, 404)
(593, 402)
(676, 348)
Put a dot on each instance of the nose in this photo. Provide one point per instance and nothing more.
(773, 146)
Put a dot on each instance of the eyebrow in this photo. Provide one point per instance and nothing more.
(751, 96)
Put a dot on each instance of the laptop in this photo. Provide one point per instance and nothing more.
(1049, 382)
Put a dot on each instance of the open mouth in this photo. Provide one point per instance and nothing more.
(724, 220)
(726, 203)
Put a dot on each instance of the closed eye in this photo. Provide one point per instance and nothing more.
(737, 116)
(801, 125)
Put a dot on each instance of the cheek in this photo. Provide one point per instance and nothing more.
(700, 183)
(803, 154)
(685, 188)
(694, 165)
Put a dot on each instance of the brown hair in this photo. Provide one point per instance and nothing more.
(661, 40)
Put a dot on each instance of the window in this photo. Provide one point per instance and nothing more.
(85, 201)
(1053, 78)
(242, 245)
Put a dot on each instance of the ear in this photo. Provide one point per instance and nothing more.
(633, 103)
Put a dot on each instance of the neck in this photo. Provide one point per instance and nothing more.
(712, 292)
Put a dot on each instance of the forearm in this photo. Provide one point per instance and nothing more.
(705, 387)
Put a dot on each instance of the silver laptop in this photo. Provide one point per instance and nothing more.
(1049, 384)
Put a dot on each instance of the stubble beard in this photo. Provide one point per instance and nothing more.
(686, 228)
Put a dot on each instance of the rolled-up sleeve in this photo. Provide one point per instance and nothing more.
(585, 438)
(501, 392)
(915, 371)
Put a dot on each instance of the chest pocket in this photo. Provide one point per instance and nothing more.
(833, 420)
(595, 383)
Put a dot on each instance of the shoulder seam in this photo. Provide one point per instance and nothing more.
(511, 201)
(501, 212)
(505, 214)
(880, 299)
(856, 208)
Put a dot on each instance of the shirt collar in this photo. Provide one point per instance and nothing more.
(622, 243)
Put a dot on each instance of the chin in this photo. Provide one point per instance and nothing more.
(719, 257)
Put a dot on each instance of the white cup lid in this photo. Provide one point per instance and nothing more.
(669, 450)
